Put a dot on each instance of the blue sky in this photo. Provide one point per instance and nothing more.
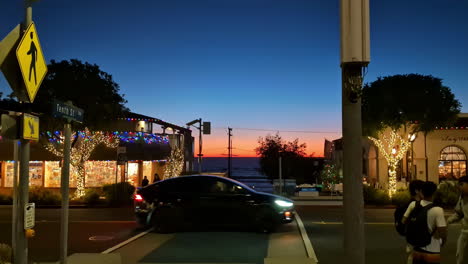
(246, 63)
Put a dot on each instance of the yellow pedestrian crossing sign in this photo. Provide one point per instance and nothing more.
(31, 61)
(30, 127)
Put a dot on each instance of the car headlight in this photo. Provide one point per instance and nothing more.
(283, 203)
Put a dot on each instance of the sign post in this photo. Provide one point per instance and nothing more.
(25, 81)
(70, 113)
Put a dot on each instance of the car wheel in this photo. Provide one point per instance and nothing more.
(166, 220)
(142, 221)
(265, 221)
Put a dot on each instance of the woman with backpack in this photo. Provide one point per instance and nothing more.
(461, 214)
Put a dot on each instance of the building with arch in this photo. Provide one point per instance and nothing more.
(438, 156)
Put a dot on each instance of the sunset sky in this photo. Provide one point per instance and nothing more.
(262, 65)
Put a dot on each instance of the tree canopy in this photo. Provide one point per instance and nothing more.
(87, 86)
(398, 100)
(295, 164)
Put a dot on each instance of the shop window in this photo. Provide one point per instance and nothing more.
(99, 173)
(133, 173)
(53, 175)
(147, 169)
(452, 163)
(9, 172)
(36, 173)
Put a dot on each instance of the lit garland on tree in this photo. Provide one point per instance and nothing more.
(393, 149)
(86, 142)
(175, 163)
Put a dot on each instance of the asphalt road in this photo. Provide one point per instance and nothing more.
(383, 244)
(90, 230)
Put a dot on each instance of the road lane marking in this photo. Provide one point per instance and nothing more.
(107, 251)
(308, 245)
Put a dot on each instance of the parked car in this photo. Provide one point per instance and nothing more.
(209, 200)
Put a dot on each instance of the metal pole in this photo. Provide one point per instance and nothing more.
(200, 148)
(15, 194)
(65, 195)
(354, 240)
(280, 177)
(20, 249)
(229, 151)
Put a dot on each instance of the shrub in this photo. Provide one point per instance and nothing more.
(5, 200)
(6, 254)
(447, 194)
(119, 194)
(373, 196)
(401, 197)
(382, 198)
(91, 197)
(43, 196)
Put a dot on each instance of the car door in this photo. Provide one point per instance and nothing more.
(223, 203)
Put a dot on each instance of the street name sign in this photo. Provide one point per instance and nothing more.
(29, 215)
(30, 127)
(31, 61)
(64, 110)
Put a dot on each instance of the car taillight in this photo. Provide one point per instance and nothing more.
(138, 198)
(287, 214)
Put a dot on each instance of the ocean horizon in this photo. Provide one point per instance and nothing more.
(240, 165)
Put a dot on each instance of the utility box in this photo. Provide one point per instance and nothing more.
(355, 39)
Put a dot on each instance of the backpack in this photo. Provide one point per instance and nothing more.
(398, 217)
(417, 230)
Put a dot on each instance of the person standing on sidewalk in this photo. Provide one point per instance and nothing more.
(461, 214)
(427, 228)
(415, 189)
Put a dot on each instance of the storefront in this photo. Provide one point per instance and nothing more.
(142, 158)
(97, 173)
(439, 156)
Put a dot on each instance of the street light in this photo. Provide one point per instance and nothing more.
(411, 138)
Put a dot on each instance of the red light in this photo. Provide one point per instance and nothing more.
(287, 214)
(138, 198)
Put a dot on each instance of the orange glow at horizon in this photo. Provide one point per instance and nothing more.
(245, 142)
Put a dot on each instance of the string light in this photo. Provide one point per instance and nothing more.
(129, 137)
(87, 141)
(175, 163)
(393, 149)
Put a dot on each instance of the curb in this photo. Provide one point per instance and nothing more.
(70, 207)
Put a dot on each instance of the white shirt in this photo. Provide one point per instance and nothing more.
(435, 218)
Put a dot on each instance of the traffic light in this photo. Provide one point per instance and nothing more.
(206, 128)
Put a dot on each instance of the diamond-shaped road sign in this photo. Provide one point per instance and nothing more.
(31, 61)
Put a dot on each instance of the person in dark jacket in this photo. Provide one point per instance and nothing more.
(145, 182)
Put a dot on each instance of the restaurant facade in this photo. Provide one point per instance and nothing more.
(146, 154)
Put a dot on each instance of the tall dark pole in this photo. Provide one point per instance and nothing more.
(200, 130)
(353, 203)
(229, 151)
(355, 55)
(65, 194)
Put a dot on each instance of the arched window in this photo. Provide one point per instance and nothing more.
(452, 163)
